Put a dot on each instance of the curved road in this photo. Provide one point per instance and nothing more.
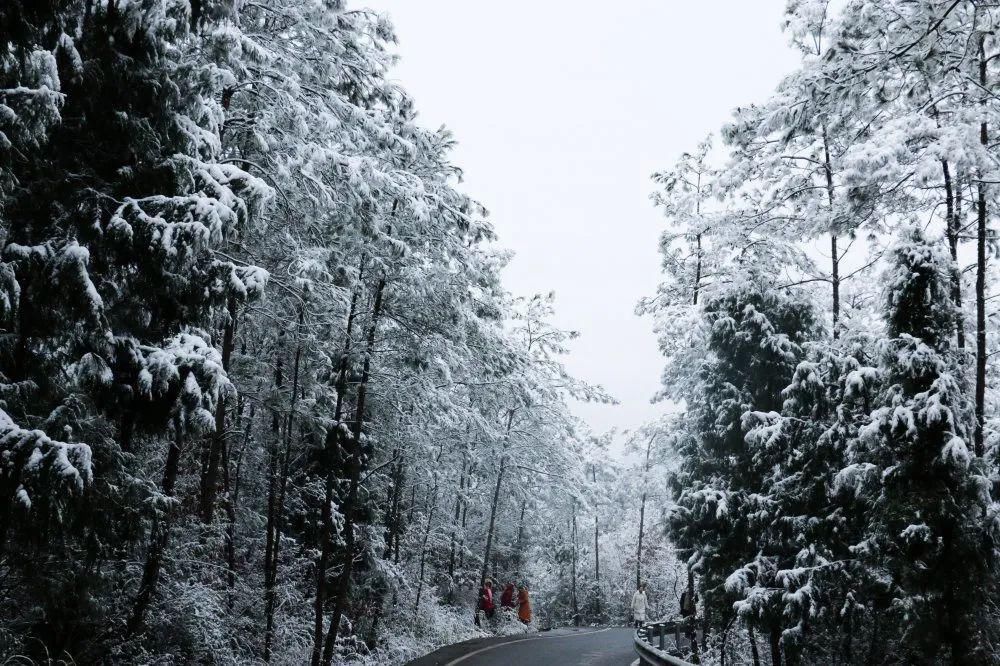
(583, 647)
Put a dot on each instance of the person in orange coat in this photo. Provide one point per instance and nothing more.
(524, 605)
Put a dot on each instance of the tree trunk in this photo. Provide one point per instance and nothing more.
(210, 477)
(519, 541)
(876, 639)
(697, 240)
(754, 653)
(981, 279)
(373, 629)
(331, 449)
(690, 588)
(354, 467)
(638, 555)
(849, 636)
(413, 503)
(392, 521)
(279, 507)
(835, 282)
(423, 547)
(775, 647)
(953, 224)
(195, 15)
(397, 511)
(597, 568)
(458, 515)
(270, 530)
(231, 488)
(496, 499)
(642, 517)
(126, 430)
(597, 554)
(697, 270)
(724, 643)
(399, 517)
(269, 547)
(465, 516)
(159, 536)
(576, 606)
(834, 253)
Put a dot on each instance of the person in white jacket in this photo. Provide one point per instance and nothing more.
(639, 603)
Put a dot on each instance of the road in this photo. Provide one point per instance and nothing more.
(569, 647)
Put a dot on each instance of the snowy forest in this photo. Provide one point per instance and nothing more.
(264, 397)
(829, 319)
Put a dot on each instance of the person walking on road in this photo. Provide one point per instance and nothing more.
(523, 605)
(639, 603)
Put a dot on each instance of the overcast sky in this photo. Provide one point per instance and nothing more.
(562, 110)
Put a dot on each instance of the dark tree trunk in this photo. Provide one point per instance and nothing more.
(413, 503)
(423, 547)
(519, 541)
(399, 518)
(269, 551)
(397, 511)
(354, 467)
(496, 500)
(159, 537)
(597, 568)
(642, 519)
(697, 270)
(461, 541)
(754, 653)
(775, 647)
(874, 651)
(849, 636)
(597, 552)
(126, 430)
(231, 487)
(458, 514)
(834, 252)
(210, 477)
(392, 501)
(576, 606)
(195, 14)
(953, 225)
(698, 251)
(981, 279)
(690, 587)
(330, 454)
(724, 645)
(270, 535)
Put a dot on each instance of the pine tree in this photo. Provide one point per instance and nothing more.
(753, 340)
(926, 490)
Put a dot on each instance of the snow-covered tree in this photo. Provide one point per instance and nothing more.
(926, 493)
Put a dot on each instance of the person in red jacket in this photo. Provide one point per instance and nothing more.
(485, 604)
(507, 599)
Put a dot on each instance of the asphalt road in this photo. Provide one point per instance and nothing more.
(561, 647)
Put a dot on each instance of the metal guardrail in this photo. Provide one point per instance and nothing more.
(661, 643)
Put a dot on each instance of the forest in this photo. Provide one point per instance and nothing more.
(828, 317)
(264, 397)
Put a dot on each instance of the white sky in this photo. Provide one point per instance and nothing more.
(562, 111)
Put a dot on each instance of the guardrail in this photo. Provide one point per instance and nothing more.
(664, 643)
